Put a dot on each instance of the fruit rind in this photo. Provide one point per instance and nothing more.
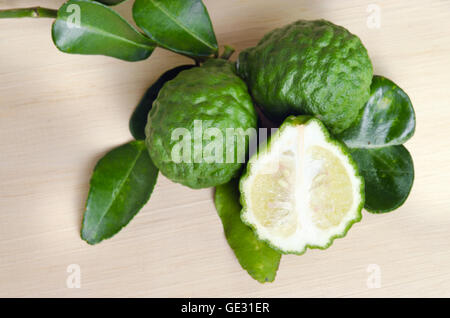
(212, 96)
(138, 119)
(294, 121)
(309, 68)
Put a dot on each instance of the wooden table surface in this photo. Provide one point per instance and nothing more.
(60, 113)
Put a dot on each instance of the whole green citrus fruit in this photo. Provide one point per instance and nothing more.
(309, 67)
(196, 128)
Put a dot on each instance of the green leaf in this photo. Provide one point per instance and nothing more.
(121, 184)
(255, 256)
(386, 122)
(87, 27)
(387, 119)
(110, 2)
(182, 26)
(138, 119)
(388, 173)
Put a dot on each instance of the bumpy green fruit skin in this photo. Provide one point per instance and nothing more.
(212, 93)
(309, 67)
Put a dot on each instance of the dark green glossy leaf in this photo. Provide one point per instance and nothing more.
(121, 184)
(375, 139)
(387, 119)
(182, 26)
(138, 119)
(87, 27)
(388, 174)
(110, 2)
(255, 256)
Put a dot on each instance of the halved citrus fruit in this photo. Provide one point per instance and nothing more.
(302, 190)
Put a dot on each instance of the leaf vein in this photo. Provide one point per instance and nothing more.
(116, 194)
(173, 18)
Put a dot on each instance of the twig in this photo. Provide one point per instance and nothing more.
(228, 51)
(34, 12)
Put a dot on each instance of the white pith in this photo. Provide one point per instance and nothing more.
(297, 139)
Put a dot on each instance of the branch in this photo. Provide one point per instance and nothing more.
(35, 12)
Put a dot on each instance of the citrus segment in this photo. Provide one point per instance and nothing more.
(303, 190)
(330, 190)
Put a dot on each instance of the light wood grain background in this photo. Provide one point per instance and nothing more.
(60, 113)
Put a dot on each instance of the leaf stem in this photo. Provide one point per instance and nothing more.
(34, 12)
(228, 51)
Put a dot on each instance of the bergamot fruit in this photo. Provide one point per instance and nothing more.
(309, 67)
(303, 189)
(191, 119)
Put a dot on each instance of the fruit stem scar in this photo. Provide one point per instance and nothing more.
(228, 51)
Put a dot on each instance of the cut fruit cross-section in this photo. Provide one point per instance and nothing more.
(303, 189)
